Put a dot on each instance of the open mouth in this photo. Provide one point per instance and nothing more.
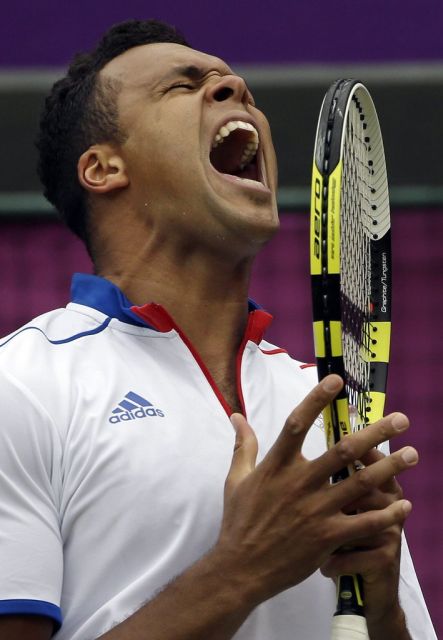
(234, 151)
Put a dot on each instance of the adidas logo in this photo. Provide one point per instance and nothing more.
(134, 406)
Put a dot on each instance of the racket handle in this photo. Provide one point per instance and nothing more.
(349, 627)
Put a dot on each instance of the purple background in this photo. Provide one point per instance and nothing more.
(37, 260)
(48, 32)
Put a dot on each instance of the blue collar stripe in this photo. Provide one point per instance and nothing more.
(83, 334)
(103, 295)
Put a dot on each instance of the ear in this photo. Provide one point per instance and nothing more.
(101, 170)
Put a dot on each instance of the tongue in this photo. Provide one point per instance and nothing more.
(249, 172)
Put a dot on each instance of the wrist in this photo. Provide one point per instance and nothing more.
(235, 581)
(390, 623)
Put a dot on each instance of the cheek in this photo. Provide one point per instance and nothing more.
(268, 140)
(166, 156)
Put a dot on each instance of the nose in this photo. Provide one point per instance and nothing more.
(228, 87)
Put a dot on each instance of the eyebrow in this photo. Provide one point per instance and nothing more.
(191, 71)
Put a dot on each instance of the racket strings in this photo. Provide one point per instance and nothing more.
(356, 224)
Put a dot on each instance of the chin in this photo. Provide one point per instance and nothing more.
(251, 230)
(264, 232)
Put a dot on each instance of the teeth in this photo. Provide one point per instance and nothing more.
(247, 180)
(251, 146)
(248, 154)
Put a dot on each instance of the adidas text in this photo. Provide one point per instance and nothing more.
(143, 412)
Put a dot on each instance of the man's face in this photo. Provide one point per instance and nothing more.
(199, 155)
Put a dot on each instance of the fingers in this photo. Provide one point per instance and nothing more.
(300, 420)
(357, 445)
(245, 452)
(357, 561)
(376, 499)
(372, 456)
(370, 478)
(363, 525)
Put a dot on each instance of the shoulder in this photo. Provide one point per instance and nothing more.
(287, 373)
(283, 359)
(41, 354)
(52, 329)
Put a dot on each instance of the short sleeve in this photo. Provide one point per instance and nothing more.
(31, 557)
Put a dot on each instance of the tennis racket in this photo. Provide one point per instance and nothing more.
(351, 284)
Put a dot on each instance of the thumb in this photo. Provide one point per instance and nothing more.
(245, 453)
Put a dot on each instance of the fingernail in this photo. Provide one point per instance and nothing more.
(400, 422)
(332, 384)
(409, 455)
(407, 507)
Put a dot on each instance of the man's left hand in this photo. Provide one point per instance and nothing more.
(376, 559)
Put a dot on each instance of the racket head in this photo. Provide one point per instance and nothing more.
(350, 247)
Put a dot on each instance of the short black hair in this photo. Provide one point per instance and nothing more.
(81, 110)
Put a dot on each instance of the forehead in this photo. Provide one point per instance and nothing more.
(150, 63)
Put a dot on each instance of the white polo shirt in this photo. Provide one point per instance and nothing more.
(114, 447)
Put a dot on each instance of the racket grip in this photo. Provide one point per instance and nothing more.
(349, 627)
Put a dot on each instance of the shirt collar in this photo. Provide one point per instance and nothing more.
(102, 294)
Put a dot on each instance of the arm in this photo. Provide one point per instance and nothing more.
(282, 520)
(35, 627)
(31, 554)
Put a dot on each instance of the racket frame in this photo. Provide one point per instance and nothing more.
(326, 294)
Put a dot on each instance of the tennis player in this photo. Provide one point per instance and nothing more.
(163, 474)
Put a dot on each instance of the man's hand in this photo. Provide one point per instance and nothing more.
(283, 519)
(376, 559)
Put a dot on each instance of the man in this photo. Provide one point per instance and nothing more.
(123, 507)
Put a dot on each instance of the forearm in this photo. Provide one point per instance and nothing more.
(206, 601)
(391, 625)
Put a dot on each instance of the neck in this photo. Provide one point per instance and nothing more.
(201, 277)
(205, 295)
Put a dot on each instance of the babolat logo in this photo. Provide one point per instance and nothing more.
(132, 407)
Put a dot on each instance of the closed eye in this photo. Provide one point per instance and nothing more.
(182, 85)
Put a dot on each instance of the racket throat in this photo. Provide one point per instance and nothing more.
(349, 596)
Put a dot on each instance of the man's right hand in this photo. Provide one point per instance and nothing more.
(283, 519)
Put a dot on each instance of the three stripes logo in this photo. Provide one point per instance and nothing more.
(132, 407)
